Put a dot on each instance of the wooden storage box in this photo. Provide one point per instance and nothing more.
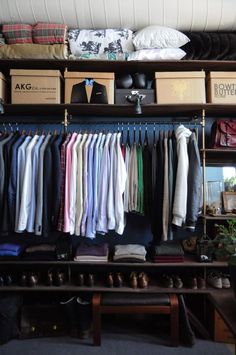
(89, 87)
(35, 86)
(120, 96)
(2, 87)
(221, 87)
(180, 87)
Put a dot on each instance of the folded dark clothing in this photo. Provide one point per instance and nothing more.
(168, 248)
(129, 260)
(95, 250)
(41, 248)
(167, 260)
(170, 257)
(39, 256)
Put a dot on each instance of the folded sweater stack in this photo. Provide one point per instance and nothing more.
(135, 253)
(168, 252)
(91, 253)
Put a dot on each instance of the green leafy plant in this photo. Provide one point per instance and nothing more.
(224, 244)
(230, 183)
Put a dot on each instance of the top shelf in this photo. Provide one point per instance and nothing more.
(118, 66)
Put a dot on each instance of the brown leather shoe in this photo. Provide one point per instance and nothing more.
(60, 278)
(90, 280)
(201, 283)
(109, 280)
(118, 280)
(143, 280)
(49, 279)
(133, 280)
(32, 280)
(80, 280)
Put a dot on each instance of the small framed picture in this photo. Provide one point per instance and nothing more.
(229, 201)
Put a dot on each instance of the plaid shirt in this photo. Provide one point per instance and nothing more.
(60, 225)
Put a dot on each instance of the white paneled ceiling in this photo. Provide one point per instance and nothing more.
(195, 15)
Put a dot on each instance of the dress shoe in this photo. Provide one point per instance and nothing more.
(191, 282)
(24, 280)
(32, 280)
(110, 280)
(201, 283)
(167, 281)
(118, 280)
(143, 280)
(1, 281)
(133, 280)
(7, 280)
(59, 278)
(49, 279)
(80, 280)
(178, 283)
(90, 280)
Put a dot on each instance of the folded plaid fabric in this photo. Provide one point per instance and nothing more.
(17, 33)
(49, 33)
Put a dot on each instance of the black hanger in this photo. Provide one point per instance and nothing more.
(154, 134)
(145, 136)
(140, 135)
(134, 133)
(128, 136)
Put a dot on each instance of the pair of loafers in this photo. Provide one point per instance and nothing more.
(85, 280)
(56, 279)
(140, 280)
(29, 279)
(115, 280)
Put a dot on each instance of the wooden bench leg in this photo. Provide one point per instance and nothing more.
(174, 320)
(96, 319)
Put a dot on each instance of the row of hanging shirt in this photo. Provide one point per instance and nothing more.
(83, 183)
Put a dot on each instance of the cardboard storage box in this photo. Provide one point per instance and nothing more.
(35, 86)
(120, 96)
(221, 87)
(180, 87)
(87, 87)
(2, 87)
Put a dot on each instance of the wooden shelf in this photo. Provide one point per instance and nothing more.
(219, 217)
(72, 288)
(189, 262)
(118, 66)
(54, 113)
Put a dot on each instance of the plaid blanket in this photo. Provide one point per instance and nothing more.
(17, 33)
(49, 33)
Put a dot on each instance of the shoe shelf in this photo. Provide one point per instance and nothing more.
(73, 288)
(189, 262)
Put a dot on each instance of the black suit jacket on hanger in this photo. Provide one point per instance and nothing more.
(98, 96)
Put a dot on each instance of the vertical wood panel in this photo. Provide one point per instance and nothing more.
(113, 15)
(127, 13)
(195, 15)
(141, 13)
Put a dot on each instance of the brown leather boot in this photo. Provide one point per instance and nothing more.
(118, 280)
(110, 280)
(143, 280)
(133, 280)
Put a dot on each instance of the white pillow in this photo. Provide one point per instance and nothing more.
(159, 37)
(157, 54)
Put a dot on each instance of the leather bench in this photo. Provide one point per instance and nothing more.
(135, 304)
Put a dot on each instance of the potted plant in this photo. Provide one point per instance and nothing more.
(230, 184)
(224, 244)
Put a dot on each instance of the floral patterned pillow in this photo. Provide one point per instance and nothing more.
(100, 41)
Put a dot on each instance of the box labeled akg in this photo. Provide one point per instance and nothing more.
(180, 87)
(221, 87)
(35, 86)
(88, 87)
